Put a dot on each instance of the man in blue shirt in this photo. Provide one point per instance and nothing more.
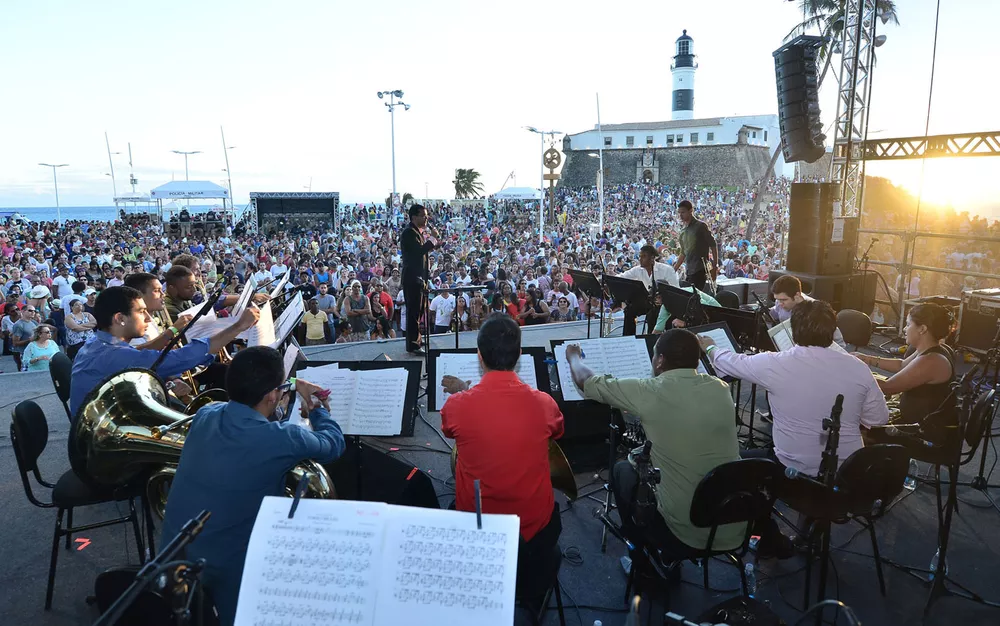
(234, 456)
(121, 317)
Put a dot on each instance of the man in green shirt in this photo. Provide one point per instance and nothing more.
(688, 417)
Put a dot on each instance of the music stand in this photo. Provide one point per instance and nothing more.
(535, 353)
(413, 370)
(588, 284)
(627, 291)
(682, 304)
(454, 314)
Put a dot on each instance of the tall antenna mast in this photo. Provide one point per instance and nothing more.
(114, 187)
(131, 177)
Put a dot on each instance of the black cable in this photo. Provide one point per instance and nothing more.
(434, 428)
(822, 603)
(572, 555)
(570, 598)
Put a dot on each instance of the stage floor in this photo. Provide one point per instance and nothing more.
(593, 584)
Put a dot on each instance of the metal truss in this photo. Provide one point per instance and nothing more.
(252, 215)
(961, 145)
(846, 166)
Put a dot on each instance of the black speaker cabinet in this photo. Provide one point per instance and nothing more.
(818, 242)
(847, 291)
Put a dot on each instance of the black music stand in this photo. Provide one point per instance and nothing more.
(588, 284)
(542, 382)
(682, 304)
(627, 291)
(458, 291)
(410, 408)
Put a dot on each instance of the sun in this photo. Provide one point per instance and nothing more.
(965, 184)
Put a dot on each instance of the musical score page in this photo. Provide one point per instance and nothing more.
(621, 357)
(719, 336)
(378, 402)
(290, 357)
(280, 287)
(781, 335)
(321, 567)
(288, 319)
(438, 568)
(248, 290)
(465, 366)
(262, 333)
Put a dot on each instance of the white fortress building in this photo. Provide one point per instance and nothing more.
(683, 130)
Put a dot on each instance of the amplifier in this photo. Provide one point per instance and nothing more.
(978, 319)
(744, 287)
(847, 291)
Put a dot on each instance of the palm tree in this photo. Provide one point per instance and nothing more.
(403, 200)
(828, 16)
(467, 184)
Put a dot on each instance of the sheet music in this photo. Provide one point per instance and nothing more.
(621, 357)
(437, 568)
(248, 290)
(315, 375)
(288, 319)
(321, 567)
(290, 357)
(279, 288)
(720, 338)
(378, 402)
(465, 366)
(262, 333)
(781, 335)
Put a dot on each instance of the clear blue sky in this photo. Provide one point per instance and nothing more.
(294, 86)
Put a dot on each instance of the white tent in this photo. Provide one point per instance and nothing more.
(189, 189)
(517, 193)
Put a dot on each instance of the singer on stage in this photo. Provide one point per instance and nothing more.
(415, 246)
(696, 242)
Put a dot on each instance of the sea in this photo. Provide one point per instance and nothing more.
(89, 213)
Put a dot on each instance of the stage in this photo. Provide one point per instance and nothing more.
(591, 579)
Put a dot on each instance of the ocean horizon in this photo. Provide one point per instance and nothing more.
(93, 213)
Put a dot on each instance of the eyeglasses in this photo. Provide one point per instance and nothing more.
(45, 332)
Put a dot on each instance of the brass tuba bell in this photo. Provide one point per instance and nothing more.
(125, 431)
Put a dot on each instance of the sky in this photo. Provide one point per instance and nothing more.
(294, 86)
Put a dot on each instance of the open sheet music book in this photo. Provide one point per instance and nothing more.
(207, 325)
(621, 357)
(248, 290)
(376, 564)
(288, 319)
(262, 333)
(279, 288)
(366, 402)
(465, 366)
(781, 335)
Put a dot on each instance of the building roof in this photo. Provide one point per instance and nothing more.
(667, 125)
(685, 35)
(189, 189)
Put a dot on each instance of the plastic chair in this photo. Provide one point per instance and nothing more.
(855, 326)
(728, 299)
(29, 434)
(61, 370)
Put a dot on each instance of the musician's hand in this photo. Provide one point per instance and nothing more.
(261, 298)
(182, 321)
(706, 342)
(454, 385)
(249, 317)
(573, 350)
(678, 323)
(309, 400)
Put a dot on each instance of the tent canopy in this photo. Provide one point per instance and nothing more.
(517, 193)
(189, 189)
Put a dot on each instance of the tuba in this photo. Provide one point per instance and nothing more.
(125, 432)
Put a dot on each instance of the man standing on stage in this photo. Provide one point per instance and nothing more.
(415, 274)
(696, 242)
(649, 271)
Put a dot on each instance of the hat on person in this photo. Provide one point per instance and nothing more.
(89, 290)
(39, 291)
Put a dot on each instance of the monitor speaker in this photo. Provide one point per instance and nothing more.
(796, 74)
(818, 241)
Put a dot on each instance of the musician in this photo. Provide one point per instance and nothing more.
(502, 429)
(234, 456)
(415, 247)
(696, 242)
(688, 417)
(649, 271)
(191, 262)
(787, 292)
(158, 332)
(122, 316)
(923, 379)
(803, 383)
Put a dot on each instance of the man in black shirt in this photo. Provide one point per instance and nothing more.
(696, 243)
(414, 274)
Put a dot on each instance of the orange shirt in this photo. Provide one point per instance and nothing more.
(502, 429)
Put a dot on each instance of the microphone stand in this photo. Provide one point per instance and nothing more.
(182, 582)
(202, 312)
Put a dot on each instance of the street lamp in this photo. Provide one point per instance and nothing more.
(541, 177)
(391, 105)
(186, 160)
(229, 176)
(55, 183)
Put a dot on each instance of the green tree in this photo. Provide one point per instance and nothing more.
(828, 17)
(467, 184)
(404, 200)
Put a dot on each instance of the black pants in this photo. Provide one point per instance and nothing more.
(632, 311)
(413, 295)
(698, 280)
(73, 349)
(535, 562)
(765, 527)
(657, 535)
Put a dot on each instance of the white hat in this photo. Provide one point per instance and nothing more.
(89, 290)
(39, 291)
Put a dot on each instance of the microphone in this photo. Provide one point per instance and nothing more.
(892, 431)
(793, 474)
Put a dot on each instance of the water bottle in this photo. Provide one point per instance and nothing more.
(751, 580)
(753, 542)
(935, 561)
(910, 482)
(626, 564)
(598, 622)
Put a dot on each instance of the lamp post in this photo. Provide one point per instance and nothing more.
(114, 185)
(55, 183)
(186, 153)
(541, 177)
(391, 105)
(229, 175)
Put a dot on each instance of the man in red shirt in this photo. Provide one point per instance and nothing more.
(502, 429)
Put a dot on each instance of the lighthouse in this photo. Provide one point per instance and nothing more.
(683, 69)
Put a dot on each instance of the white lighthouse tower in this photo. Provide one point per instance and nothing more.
(683, 69)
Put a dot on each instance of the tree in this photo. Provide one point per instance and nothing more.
(405, 199)
(828, 16)
(467, 184)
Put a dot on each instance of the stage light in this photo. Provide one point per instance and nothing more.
(398, 93)
(380, 95)
(879, 40)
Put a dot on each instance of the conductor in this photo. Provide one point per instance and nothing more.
(415, 246)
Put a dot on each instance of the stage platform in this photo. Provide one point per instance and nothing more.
(593, 583)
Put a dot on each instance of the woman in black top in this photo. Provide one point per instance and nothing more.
(535, 310)
(924, 378)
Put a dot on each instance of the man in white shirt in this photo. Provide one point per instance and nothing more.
(803, 383)
(463, 277)
(62, 284)
(442, 305)
(649, 271)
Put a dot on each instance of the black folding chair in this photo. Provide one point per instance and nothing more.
(536, 601)
(728, 299)
(61, 370)
(29, 434)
